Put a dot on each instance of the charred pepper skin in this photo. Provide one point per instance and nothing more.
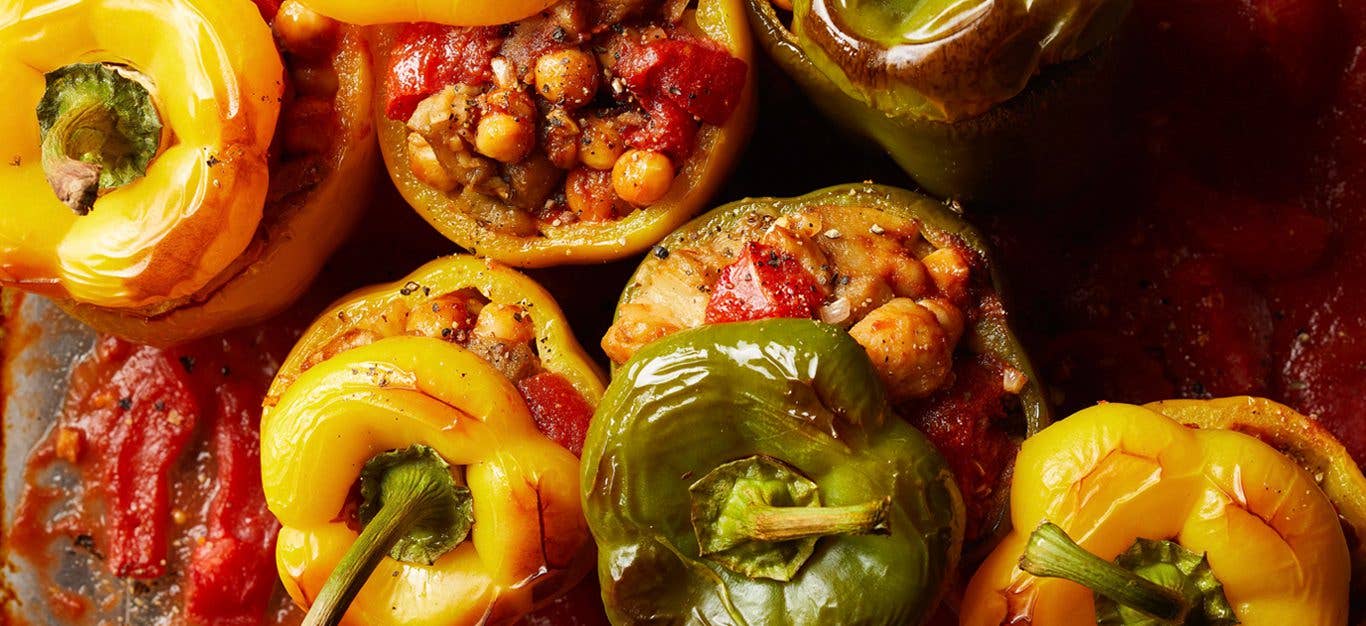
(797, 391)
(1116, 473)
(583, 242)
(1032, 147)
(150, 273)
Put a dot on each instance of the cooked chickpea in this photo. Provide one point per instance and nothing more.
(443, 318)
(642, 177)
(908, 347)
(950, 317)
(507, 323)
(301, 30)
(590, 195)
(567, 77)
(504, 137)
(601, 145)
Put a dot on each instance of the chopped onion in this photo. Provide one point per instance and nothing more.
(836, 312)
(1013, 380)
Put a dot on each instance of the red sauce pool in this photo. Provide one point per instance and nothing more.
(1222, 251)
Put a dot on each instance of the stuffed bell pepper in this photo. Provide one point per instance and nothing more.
(175, 168)
(982, 100)
(1229, 511)
(538, 132)
(754, 473)
(904, 275)
(419, 449)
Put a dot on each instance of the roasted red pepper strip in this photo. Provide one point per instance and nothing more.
(763, 283)
(431, 56)
(560, 411)
(232, 573)
(140, 436)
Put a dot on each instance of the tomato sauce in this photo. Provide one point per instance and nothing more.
(164, 447)
(1221, 250)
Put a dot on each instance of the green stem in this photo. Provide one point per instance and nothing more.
(416, 489)
(787, 523)
(100, 130)
(1051, 553)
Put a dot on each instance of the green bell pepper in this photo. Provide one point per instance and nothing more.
(753, 472)
(675, 277)
(985, 100)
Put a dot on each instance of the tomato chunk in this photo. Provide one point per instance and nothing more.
(559, 409)
(139, 434)
(232, 573)
(429, 57)
(762, 284)
(696, 76)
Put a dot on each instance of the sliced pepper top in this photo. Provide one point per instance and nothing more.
(751, 473)
(152, 120)
(1116, 473)
(946, 59)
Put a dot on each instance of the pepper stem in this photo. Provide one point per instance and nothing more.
(422, 514)
(787, 523)
(1050, 553)
(100, 130)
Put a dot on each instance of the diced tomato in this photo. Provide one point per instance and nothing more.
(669, 129)
(963, 422)
(559, 409)
(429, 57)
(139, 434)
(697, 76)
(232, 573)
(763, 283)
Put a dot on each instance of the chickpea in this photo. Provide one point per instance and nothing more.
(909, 349)
(590, 195)
(601, 145)
(302, 31)
(507, 131)
(504, 138)
(642, 177)
(567, 77)
(508, 323)
(950, 317)
(445, 317)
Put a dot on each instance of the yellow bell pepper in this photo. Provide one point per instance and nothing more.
(1115, 475)
(452, 12)
(199, 241)
(359, 385)
(697, 179)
